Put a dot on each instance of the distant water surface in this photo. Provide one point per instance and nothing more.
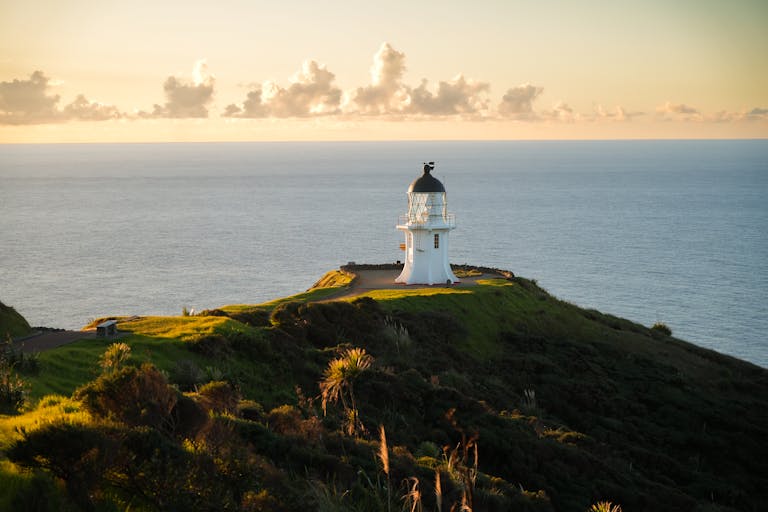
(672, 231)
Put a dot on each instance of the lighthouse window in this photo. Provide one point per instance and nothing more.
(437, 240)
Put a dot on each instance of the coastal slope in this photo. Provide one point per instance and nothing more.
(497, 395)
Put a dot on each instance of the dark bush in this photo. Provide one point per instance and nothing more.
(186, 374)
(214, 346)
(662, 328)
(77, 454)
(251, 410)
(255, 317)
(219, 397)
(134, 396)
(11, 389)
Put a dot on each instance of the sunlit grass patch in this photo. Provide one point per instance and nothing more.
(50, 408)
(178, 327)
(401, 293)
(66, 367)
(303, 297)
(333, 279)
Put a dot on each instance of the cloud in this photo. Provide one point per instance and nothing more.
(84, 110)
(27, 101)
(723, 116)
(562, 112)
(386, 94)
(518, 101)
(185, 99)
(459, 96)
(311, 93)
(676, 108)
(679, 111)
(619, 113)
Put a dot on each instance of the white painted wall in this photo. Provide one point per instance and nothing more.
(425, 264)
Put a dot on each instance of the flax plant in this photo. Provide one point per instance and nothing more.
(338, 384)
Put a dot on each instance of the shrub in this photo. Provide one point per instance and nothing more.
(186, 374)
(213, 346)
(662, 328)
(12, 389)
(16, 358)
(134, 396)
(219, 396)
(74, 453)
(251, 410)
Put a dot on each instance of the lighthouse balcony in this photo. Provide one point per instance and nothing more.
(427, 221)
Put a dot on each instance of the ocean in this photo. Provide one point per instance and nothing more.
(669, 231)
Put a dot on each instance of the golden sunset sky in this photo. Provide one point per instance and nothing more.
(126, 71)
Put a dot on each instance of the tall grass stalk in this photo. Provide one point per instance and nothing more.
(412, 497)
(384, 456)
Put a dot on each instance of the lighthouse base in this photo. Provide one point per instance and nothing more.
(426, 274)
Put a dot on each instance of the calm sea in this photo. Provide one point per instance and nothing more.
(672, 231)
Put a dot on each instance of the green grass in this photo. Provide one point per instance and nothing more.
(175, 327)
(12, 323)
(608, 391)
(160, 340)
(308, 296)
(333, 279)
(51, 408)
(491, 306)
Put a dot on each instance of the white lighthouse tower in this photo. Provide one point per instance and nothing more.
(426, 227)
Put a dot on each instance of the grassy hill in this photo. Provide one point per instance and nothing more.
(12, 323)
(499, 395)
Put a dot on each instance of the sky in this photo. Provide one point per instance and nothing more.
(239, 70)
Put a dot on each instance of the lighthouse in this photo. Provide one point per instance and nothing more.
(426, 227)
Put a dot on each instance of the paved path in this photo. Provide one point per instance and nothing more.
(46, 340)
(368, 280)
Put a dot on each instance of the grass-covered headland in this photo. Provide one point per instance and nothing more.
(490, 397)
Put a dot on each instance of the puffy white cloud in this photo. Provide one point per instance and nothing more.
(386, 94)
(310, 93)
(27, 101)
(679, 111)
(518, 101)
(185, 99)
(459, 96)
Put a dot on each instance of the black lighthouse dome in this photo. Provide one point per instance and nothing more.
(426, 183)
